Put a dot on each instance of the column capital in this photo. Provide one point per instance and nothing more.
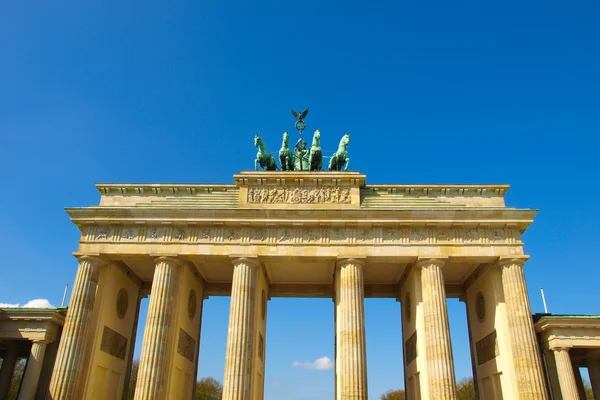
(423, 261)
(41, 341)
(560, 348)
(94, 259)
(517, 260)
(350, 260)
(253, 261)
(172, 259)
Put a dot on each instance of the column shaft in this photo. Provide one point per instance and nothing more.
(237, 383)
(594, 371)
(8, 368)
(32, 370)
(525, 352)
(566, 377)
(351, 364)
(438, 348)
(151, 374)
(74, 339)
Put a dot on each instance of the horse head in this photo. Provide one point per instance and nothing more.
(286, 139)
(345, 140)
(257, 141)
(316, 138)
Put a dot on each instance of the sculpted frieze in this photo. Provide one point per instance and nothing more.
(401, 235)
(304, 195)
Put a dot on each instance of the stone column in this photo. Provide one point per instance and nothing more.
(32, 370)
(526, 359)
(351, 365)
(8, 367)
(74, 340)
(594, 371)
(436, 330)
(566, 377)
(237, 383)
(153, 367)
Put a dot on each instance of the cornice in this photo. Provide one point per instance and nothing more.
(545, 324)
(403, 216)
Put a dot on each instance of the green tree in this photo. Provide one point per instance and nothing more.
(209, 389)
(135, 367)
(15, 383)
(465, 389)
(589, 395)
(394, 395)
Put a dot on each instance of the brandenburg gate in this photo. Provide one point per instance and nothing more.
(297, 234)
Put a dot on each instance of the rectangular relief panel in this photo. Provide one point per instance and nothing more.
(113, 343)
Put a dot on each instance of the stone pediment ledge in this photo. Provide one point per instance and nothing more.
(546, 322)
(34, 314)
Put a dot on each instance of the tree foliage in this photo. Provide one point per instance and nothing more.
(209, 389)
(135, 367)
(15, 383)
(394, 395)
(465, 389)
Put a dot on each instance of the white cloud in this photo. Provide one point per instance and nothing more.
(38, 303)
(35, 303)
(322, 363)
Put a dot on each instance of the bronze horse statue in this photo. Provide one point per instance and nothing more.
(340, 158)
(263, 158)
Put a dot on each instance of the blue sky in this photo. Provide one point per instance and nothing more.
(431, 92)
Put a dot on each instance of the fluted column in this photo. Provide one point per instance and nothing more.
(237, 383)
(153, 366)
(74, 339)
(351, 364)
(438, 348)
(8, 367)
(33, 369)
(594, 372)
(566, 377)
(526, 359)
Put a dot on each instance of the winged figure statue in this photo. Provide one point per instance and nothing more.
(300, 115)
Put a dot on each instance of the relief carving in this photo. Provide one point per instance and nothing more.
(470, 235)
(496, 235)
(487, 348)
(309, 195)
(285, 235)
(205, 234)
(232, 235)
(258, 235)
(310, 236)
(186, 345)
(129, 234)
(411, 348)
(179, 234)
(444, 235)
(390, 234)
(154, 234)
(418, 234)
(113, 343)
(363, 235)
(338, 234)
(103, 233)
